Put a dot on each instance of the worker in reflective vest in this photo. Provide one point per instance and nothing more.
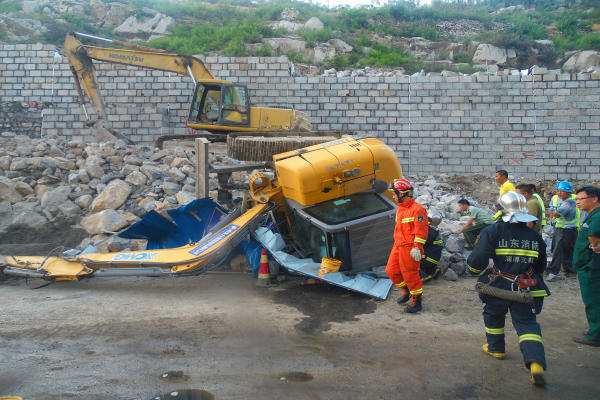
(519, 256)
(565, 218)
(410, 234)
(539, 199)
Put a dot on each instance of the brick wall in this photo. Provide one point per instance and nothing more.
(546, 125)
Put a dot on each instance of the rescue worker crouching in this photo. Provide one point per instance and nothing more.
(519, 255)
(432, 249)
(410, 234)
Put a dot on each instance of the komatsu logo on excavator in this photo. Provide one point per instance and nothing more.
(134, 256)
(125, 57)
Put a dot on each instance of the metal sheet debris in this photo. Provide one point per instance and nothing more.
(361, 282)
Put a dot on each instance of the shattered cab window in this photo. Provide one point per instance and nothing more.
(359, 205)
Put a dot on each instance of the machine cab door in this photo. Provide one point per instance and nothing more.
(235, 109)
(205, 107)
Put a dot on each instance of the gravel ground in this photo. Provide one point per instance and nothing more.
(218, 336)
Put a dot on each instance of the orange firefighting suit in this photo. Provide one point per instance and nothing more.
(410, 231)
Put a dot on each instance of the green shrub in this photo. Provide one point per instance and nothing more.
(567, 24)
(265, 51)
(463, 58)
(381, 56)
(591, 41)
(235, 48)
(313, 36)
(10, 6)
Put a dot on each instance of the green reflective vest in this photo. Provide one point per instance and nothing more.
(560, 221)
(539, 199)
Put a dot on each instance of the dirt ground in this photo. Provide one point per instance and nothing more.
(218, 336)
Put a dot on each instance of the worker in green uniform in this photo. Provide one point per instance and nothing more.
(586, 261)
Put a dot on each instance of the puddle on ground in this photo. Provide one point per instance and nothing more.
(296, 376)
(174, 376)
(186, 394)
(322, 304)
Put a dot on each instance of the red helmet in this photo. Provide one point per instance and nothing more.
(400, 185)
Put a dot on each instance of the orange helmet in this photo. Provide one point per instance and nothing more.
(400, 185)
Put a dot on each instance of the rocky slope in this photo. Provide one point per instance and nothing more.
(22, 23)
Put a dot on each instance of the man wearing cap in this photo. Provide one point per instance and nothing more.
(519, 255)
(410, 234)
(565, 218)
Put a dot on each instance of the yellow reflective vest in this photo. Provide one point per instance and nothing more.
(560, 221)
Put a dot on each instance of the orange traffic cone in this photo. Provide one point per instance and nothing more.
(264, 279)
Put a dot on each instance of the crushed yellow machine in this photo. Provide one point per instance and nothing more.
(311, 185)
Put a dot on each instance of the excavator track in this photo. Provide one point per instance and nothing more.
(261, 146)
(258, 146)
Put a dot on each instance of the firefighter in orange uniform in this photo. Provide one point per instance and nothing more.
(410, 235)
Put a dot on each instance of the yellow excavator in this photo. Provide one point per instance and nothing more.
(326, 200)
(217, 106)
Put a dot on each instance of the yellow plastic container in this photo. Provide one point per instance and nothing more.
(329, 265)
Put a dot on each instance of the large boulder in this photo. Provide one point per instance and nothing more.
(489, 54)
(314, 24)
(104, 221)
(111, 14)
(322, 52)
(581, 61)
(340, 45)
(286, 45)
(289, 26)
(112, 197)
(53, 198)
(8, 190)
(157, 25)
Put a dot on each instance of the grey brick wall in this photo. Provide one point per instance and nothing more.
(545, 125)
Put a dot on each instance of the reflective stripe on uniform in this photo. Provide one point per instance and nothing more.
(401, 284)
(531, 336)
(473, 270)
(419, 240)
(494, 331)
(517, 252)
(405, 220)
(438, 241)
(431, 260)
(539, 293)
(418, 291)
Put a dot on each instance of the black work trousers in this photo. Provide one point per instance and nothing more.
(525, 323)
(563, 242)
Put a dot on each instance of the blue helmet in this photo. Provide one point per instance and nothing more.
(565, 186)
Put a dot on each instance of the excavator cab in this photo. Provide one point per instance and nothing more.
(220, 104)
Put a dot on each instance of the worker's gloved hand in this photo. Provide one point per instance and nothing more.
(415, 253)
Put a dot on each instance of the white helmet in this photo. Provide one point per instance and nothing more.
(514, 208)
(435, 217)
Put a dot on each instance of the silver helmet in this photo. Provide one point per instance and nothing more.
(514, 208)
(435, 217)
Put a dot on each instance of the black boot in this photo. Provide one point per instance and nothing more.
(415, 304)
(404, 296)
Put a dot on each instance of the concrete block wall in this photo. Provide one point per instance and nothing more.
(545, 126)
